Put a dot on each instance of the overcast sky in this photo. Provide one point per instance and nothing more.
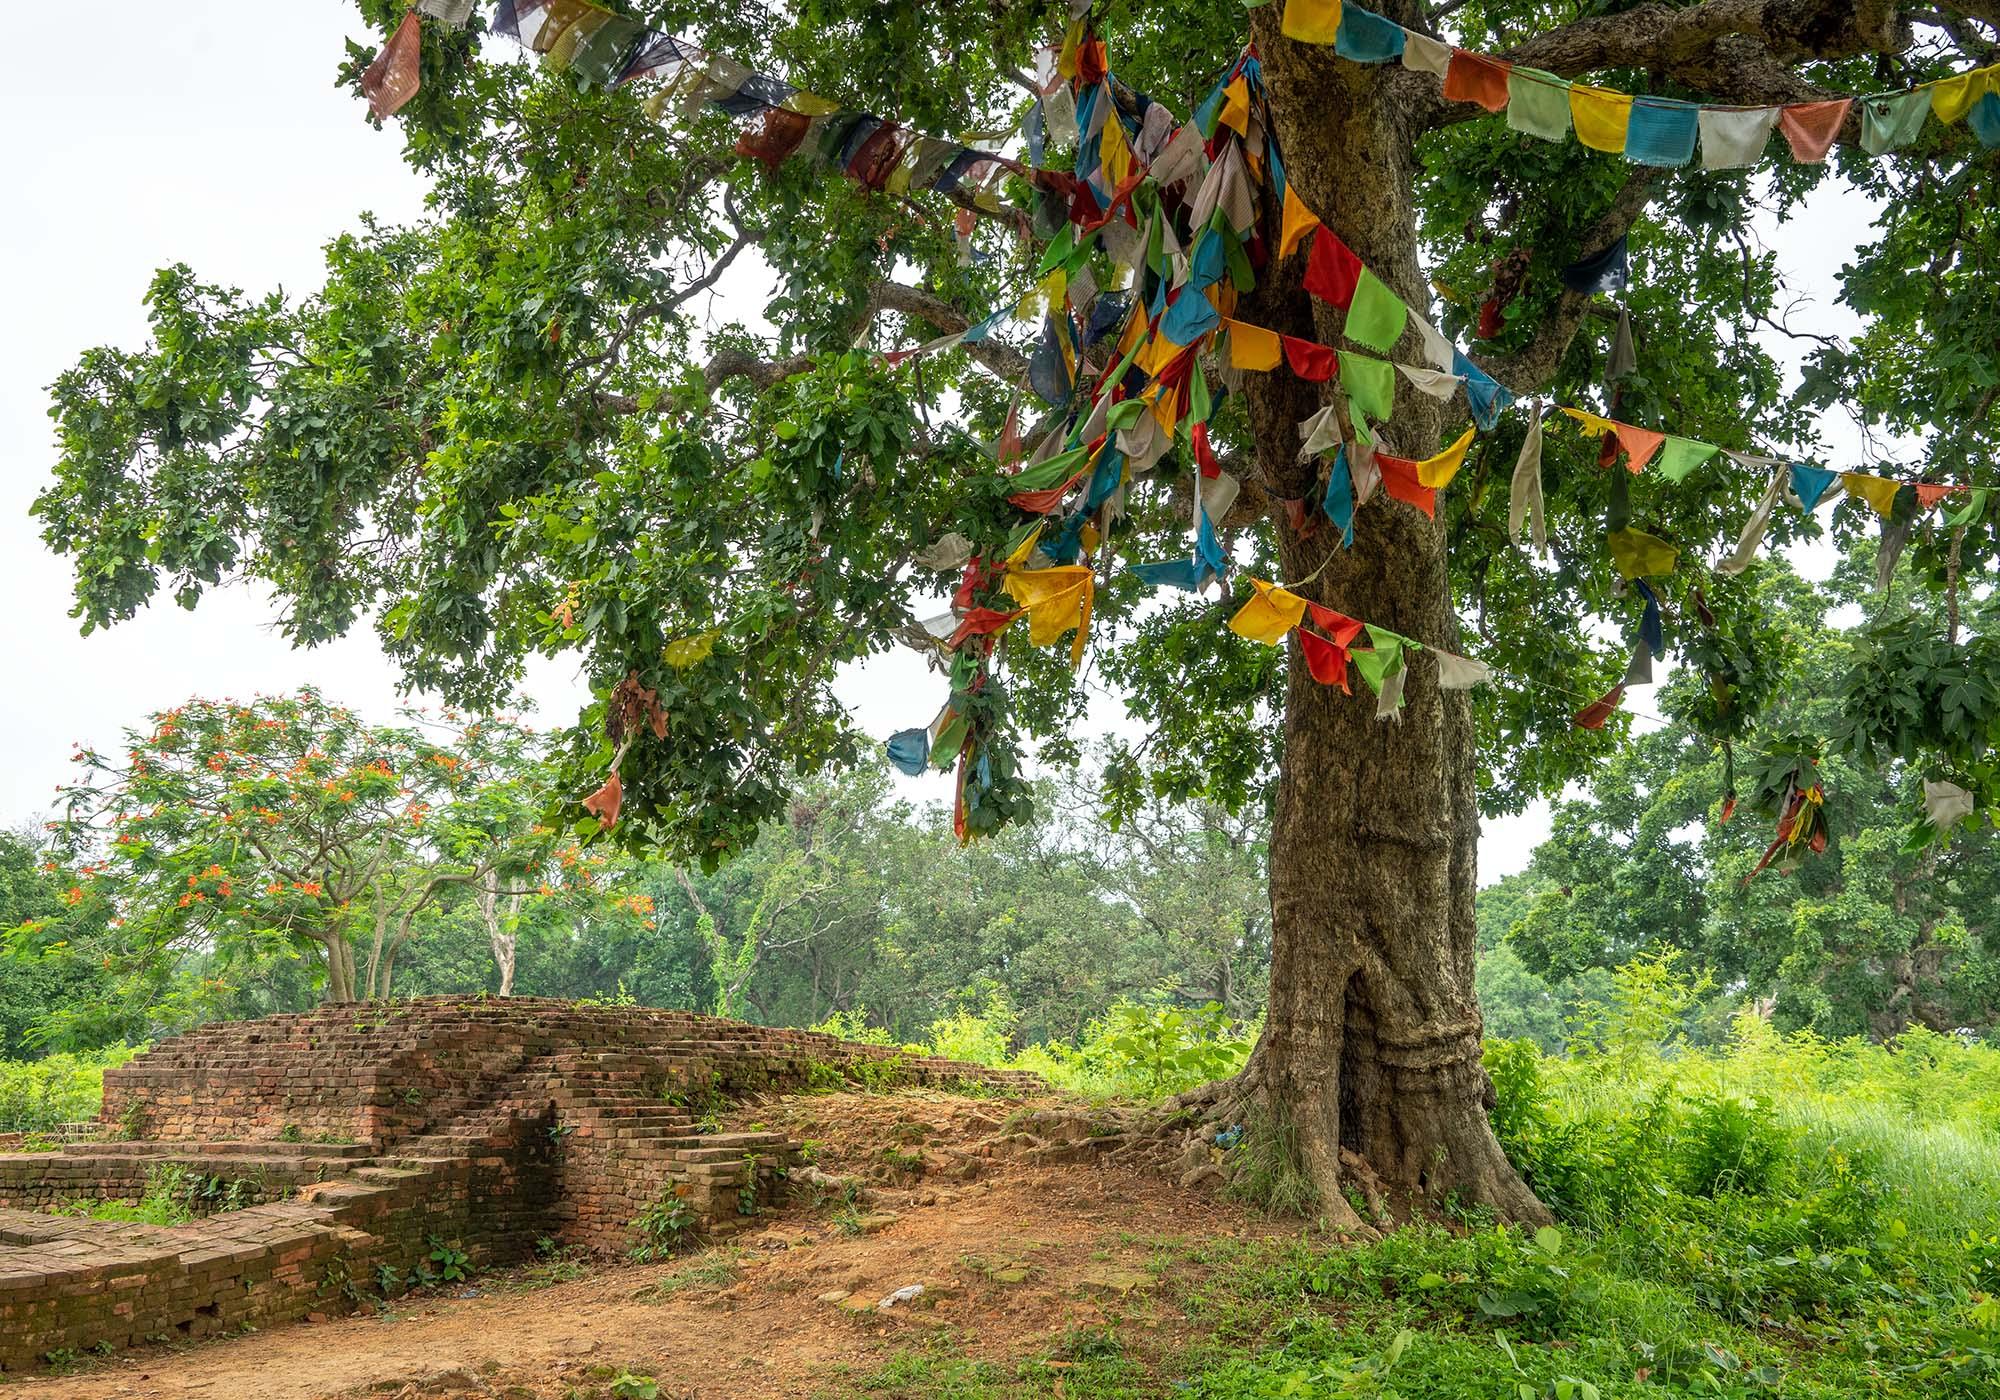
(212, 134)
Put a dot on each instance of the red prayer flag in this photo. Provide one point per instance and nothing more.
(1811, 127)
(1473, 77)
(1309, 359)
(1042, 502)
(1332, 269)
(1399, 479)
(1204, 455)
(1593, 715)
(1929, 495)
(1338, 625)
(780, 135)
(1303, 524)
(396, 74)
(979, 622)
(1326, 660)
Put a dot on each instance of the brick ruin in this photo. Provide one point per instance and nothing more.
(352, 1138)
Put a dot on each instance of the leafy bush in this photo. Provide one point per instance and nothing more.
(36, 1095)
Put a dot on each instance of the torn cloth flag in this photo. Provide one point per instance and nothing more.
(1366, 37)
(1607, 271)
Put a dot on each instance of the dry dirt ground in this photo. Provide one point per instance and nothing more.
(1012, 1255)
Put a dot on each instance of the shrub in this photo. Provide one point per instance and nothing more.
(36, 1095)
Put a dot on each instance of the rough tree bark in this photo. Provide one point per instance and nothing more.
(1370, 1057)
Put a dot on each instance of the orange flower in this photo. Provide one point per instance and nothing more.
(73, 895)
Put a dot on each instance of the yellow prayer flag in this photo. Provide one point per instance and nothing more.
(1299, 221)
(1056, 599)
(1878, 491)
(1253, 347)
(1311, 21)
(1439, 470)
(1159, 352)
(809, 105)
(1600, 116)
(1236, 106)
(1638, 554)
(1027, 546)
(1952, 98)
(1117, 153)
(1268, 614)
(1591, 422)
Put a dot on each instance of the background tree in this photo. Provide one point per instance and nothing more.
(503, 427)
(231, 835)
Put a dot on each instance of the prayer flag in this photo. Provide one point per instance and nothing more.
(1309, 361)
(1366, 37)
(1438, 471)
(1606, 271)
(1638, 554)
(1425, 54)
(1311, 21)
(1267, 614)
(1661, 132)
(1298, 222)
(1253, 347)
(1371, 383)
(1538, 104)
(1524, 496)
(1683, 455)
(1735, 137)
(1376, 315)
(1600, 116)
(1810, 484)
(1878, 491)
(1473, 77)
(397, 72)
(1400, 480)
(1893, 120)
(1325, 660)
(1332, 270)
(1810, 127)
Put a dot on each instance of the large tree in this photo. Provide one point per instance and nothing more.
(508, 429)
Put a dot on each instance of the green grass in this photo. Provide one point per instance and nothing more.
(1783, 1217)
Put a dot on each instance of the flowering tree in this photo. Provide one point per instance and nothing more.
(287, 828)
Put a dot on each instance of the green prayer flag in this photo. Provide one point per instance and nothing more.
(1199, 403)
(1682, 455)
(1050, 471)
(1371, 383)
(1538, 103)
(1973, 510)
(1058, 252)
(1386, 658)
(1375, 317)
(1124, 413)
(950, 740)
(1893, 119)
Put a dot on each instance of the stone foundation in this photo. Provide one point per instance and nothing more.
(365, 1132)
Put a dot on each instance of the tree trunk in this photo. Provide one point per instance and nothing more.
(1372, 1042)
(500, 932)
(339, 966)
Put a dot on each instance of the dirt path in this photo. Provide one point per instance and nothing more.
(1010, 1261)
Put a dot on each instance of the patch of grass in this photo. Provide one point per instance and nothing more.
(1264, 1169)
(716, 1269)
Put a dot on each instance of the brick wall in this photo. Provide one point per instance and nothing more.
(487, 1123)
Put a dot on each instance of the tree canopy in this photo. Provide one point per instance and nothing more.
(506, 429)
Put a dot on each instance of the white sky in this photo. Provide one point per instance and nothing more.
(212, 134)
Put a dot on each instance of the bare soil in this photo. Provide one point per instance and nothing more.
(1017, 1237)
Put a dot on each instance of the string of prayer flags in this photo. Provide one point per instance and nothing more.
(1638, 444)
(1600, 117)
(1753, 529)
(1460, 672)
(1401, 480)
(1538, 103)
(1810, 127)
(1801, 822)
(1312, 21)
(1878, 491)
(1472, 77)
(1653, 131)
(1661, 132)
(1327, 656)
(1338, 502)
